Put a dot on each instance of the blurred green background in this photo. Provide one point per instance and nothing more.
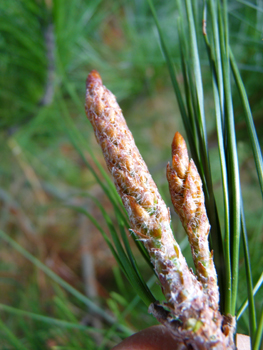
(48, 47)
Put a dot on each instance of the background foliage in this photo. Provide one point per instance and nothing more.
(49, 155)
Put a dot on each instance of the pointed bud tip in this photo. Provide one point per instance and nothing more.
(93, 78)
(179, 149)
(178, 141)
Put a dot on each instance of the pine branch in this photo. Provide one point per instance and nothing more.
(191, 311)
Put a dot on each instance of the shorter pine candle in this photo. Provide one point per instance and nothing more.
(188, 200)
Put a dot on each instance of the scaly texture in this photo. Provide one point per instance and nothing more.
(149, 216)
(188, 200)
(191, 318)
